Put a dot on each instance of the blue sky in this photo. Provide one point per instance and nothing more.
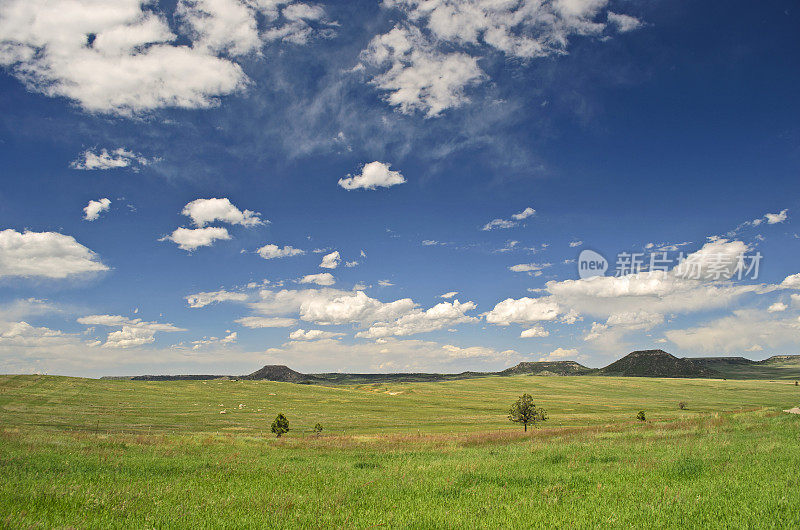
(176, 174)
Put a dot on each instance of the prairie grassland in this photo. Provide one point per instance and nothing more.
(121, 454)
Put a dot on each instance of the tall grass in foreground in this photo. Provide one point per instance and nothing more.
(709, 468)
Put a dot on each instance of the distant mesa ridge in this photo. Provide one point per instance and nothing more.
(640, 363)
(656, 363)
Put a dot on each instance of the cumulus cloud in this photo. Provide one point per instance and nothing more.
(415, 75)
(114, 58)
(133, 332)
(323, 278)
(190, 239)
(198, 300)
(123, 58)
(329, 306)
(373, 175)
(205, 342)
(331, 261)
(624, 23)
(746, 329)
(771, 218)
(105, 159)
(534, 332)
(205, 211)
(777, 307)
(440, 316)
(499, 223)
(509, 223)
(429, 59)
(523, 310)
(45, 254)
(274, 251)
(560, 354)
(93, 210)
(313, 334)
(534, 269)
(524, 214)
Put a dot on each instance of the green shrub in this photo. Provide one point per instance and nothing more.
(640, 416)
(280, 425)
(682, 405)
(318, 428)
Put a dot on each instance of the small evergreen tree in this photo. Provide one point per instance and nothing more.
(318, 428)
(640, 416)
(280, 425)
(524, 411)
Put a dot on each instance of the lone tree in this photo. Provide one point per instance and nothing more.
(525, 412)
(280, 425)
(318, 428)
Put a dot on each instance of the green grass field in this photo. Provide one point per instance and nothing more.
(121, 454)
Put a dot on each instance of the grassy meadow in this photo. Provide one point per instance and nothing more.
(122, 454)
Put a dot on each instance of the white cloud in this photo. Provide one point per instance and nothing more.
(451, 294)
(415, 75)
(560, 354)
(230, 338)
(198, 300)
(774, 218)
(331, 261)
(133, 332)
(274, 251)
(574, 244)
(93, 210)
(523, 310)
(123, 58)
(220, 26)
(190, 239)
(769, 218)
(534, 332)
(535, 268)
(442, 315)
(791, 282)
(624, 23)
(266, 322)
(524, 214)
(777, 307)
(205, 211)
(427, 61)
(131, 64)
(746, 329)
(105, 159)
(509, 223)
(313, 334)
(323, 278)
(373, 175)
(717, 260)
(330, 306)
(385, 283)
(45, 254)
(499, 223)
